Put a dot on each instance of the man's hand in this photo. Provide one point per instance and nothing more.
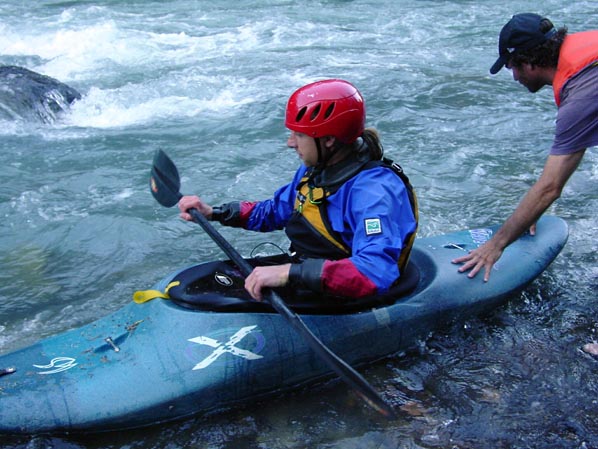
(262, 277)
(483, 257)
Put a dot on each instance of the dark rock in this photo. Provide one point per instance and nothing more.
(27, 95)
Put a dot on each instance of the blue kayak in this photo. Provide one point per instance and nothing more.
(197, 344)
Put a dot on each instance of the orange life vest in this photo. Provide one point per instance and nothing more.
(578, 51)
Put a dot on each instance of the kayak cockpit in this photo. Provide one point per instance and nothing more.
(219, 286)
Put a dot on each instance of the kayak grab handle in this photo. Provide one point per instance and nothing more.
(460, 246)
(111, 343)
(5, 371)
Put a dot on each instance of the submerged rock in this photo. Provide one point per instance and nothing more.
(28, 95)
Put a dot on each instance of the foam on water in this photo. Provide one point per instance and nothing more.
(134, 105)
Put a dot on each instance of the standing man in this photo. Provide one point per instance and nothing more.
(538, 55)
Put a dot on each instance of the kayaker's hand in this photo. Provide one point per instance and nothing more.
(262, 277)
(483, 257)
(193, 202)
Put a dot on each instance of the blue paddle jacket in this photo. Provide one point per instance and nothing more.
(370, 212)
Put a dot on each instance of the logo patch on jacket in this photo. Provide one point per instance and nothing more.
(373, 226)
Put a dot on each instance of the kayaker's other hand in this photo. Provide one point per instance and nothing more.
(193, 202)
(266, 277)
(483, 257)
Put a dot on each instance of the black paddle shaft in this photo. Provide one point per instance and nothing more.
(165, 185)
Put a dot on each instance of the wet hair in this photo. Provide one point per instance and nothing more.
(545, 54)
(370, 139)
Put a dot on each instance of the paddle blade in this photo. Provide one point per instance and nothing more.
(165, 181)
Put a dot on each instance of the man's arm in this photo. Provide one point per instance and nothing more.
(541, 195)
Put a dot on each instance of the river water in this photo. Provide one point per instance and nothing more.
(208, 82)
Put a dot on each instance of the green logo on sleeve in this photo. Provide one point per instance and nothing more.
(373, 226)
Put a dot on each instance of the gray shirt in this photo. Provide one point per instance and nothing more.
(577, 117)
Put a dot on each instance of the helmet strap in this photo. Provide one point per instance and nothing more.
(321, 161)
(324, 154)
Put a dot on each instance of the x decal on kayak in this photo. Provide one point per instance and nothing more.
(229, 346)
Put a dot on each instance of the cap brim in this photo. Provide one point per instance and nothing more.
(499, 64)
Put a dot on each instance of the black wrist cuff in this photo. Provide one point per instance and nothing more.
(228, 214)
(307, 274)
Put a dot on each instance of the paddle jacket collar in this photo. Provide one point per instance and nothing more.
(333, 176)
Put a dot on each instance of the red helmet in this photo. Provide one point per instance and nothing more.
(327, 108)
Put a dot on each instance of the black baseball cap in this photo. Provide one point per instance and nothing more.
(522, 32)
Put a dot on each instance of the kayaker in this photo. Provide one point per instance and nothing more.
(538, 54)
(350, 214)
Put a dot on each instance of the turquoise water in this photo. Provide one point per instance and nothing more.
(208, 82)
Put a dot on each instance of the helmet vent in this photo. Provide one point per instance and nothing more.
(329, 110)
(315, 112)
(300, 114)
